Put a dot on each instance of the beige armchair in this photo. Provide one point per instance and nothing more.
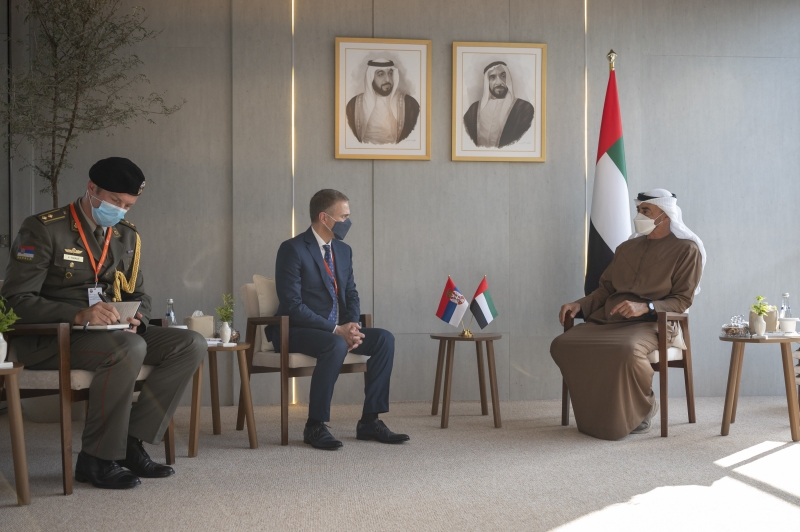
(71, 386)
(261, 305)
(676, 358)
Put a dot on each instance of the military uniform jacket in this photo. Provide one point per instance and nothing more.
(45, 283)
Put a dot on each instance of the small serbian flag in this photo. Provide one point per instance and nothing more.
(482, 306)
(453, 305)
(25, 253)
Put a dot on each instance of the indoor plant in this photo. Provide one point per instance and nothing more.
(225, 313)
(7, 319)
(757, 312)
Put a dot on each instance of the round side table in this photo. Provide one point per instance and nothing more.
(194, 423)
(9, 375)
(447, 343)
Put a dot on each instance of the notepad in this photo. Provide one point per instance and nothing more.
(126, 309)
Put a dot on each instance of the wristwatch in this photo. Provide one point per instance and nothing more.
(652, 308)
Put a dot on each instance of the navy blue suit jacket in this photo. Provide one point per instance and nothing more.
(305, 292)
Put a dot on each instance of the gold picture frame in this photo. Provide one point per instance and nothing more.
(485, 74)
(400, 129)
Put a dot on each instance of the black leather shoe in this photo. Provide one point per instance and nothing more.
(105, 474)
(139, 462)
(320, 437)
(377, 430)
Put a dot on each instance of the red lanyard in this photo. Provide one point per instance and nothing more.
(95, 266)
(333, 260)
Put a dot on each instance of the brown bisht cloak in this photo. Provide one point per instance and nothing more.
(604, 361)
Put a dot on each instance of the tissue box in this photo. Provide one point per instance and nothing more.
(203, 324)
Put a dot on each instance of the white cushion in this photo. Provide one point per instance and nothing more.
(271, 359)
(673, 353)
(31, 379)
(267, 296)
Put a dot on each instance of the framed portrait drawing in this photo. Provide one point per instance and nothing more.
(499, 101)
(383, 99)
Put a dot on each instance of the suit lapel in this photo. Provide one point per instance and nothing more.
(115, 248)
(342, 268)
(316, 254)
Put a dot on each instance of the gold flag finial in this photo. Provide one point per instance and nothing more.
(612, 56)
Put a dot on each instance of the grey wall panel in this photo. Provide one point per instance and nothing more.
(316, 27)
(261, 147)
(546, 201)
(184, 213)
(735, 142)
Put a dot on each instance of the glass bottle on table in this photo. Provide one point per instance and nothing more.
(786, 309)
(170, 319)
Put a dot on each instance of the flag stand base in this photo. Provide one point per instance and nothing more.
(466, 333)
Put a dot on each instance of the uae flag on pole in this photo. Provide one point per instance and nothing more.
(609, 222)
(482, 306)
(453, 304)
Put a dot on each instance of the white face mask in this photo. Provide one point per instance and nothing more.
(645, 225)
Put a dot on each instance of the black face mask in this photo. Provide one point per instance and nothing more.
(340, 229)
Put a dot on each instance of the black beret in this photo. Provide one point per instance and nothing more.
(117, 174)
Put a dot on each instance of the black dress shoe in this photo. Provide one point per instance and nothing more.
(105, 474)
(139, 462)
(320, 437)
(377, 430)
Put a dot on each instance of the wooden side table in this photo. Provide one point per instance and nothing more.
(194, 424)
(447, 343)
(735, 378)
(9, 375)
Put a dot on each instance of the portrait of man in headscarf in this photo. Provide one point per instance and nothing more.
(499, 118)
(382, 114)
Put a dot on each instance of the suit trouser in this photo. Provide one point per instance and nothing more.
(116, 358)
(330, 350)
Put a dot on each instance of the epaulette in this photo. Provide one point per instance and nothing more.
(52, 216)
(128, 224)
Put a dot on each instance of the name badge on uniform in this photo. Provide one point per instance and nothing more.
(94, 295)
(73, 258)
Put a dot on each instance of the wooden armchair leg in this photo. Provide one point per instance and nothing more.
(689, 381)
(284, 410)
(564, 403)
(664, 401)
(66, 441)
(240, 416)
(169, 443)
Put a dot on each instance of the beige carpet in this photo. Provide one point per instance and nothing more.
(532, 474)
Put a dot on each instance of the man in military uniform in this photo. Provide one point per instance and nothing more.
(65, 265)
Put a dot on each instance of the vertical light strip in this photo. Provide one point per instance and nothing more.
(294, 379)
(585, 137)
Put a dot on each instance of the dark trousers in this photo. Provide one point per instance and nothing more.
(116, 358)
(330, 350)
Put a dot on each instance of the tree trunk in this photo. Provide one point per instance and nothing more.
(55, 194)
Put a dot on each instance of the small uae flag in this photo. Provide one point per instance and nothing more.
(453, 305)
(482, 306)
(610, 220)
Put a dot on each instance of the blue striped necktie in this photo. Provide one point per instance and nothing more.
(329, 262)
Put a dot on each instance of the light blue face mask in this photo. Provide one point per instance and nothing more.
(107, 215)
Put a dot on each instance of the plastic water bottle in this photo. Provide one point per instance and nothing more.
(170, 321)
(786, 309)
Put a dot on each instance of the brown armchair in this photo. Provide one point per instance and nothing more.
(71, 386)
(676, 358)
(262, 358)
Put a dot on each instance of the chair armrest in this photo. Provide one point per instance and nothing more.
(282, 324)
(158, 322)
(62, 331)
(366, 321)
(673, 316)
(40, 329)
(569, 322)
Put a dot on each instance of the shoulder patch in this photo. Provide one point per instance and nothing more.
(52, 216)
(128, 224)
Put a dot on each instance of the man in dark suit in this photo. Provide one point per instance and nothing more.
(316, 289)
